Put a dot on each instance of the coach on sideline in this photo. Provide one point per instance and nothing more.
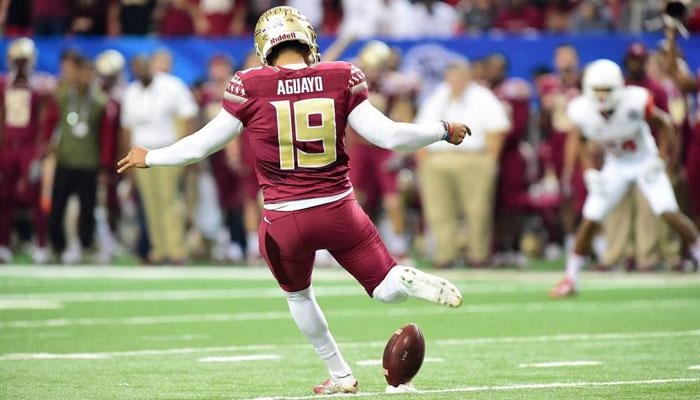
(461, 179)
(154, 109)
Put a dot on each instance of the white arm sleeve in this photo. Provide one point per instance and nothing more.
(374, 126)
(199, 145)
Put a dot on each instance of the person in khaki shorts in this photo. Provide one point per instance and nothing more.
(632, 229)
(460, 181)
(154, 108)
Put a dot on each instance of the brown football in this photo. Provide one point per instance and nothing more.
(403, 355)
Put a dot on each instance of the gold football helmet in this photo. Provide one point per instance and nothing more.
(282, 24)
(22, 48)
(374, 55)
(109, 63)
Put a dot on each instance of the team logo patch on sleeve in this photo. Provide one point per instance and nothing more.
(235, 91)
(357, 80)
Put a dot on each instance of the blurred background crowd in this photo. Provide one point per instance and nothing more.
(364, 18)
(507, 195)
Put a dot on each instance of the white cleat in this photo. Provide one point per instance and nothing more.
(429, 287)
(346, 384)
(5, 254)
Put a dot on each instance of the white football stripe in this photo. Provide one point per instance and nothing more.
(366, 363)
(251, 357)
(510, 387)
(579, 337)
(694, 367)
(173, 295)
(554, 364)
(377, 312)
(20, 304)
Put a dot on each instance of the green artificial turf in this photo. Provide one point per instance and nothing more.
(144, 333)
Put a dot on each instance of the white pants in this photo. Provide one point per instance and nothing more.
(617, 176)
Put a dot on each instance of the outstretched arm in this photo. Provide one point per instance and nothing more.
(374, 126)
(190, 149)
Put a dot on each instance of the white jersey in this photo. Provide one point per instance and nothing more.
(625, 135)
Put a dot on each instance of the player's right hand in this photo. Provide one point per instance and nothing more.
(457, 131)
(135, 159)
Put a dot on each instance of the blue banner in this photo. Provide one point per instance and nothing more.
(525, 53)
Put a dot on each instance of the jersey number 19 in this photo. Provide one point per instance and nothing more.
(305, 132)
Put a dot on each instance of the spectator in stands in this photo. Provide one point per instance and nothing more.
(229, 237)
(178, 17)
(109, 66)
(362, 18)
(518, 16)
(512, 199)
(245, 19)
(23, 144)
(433, 19)
(461, 180)
(479, 15)
(80, 115)
(557, 15)
(130, 17)
(50, 17)
(152, 108)
(218, 16)
(162, 61)
(592, 16)
(555, 91)
(15, 18)
(89, 17)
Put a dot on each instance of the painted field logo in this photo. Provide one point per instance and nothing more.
(282, 37)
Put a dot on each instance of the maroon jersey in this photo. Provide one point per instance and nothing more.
(21, 105)
(295, 120)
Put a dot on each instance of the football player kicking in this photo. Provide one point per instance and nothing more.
(295, 110)
(619, 119)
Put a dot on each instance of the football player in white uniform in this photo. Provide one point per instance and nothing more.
(617, 119)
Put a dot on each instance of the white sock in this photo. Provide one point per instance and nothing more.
(391, 289)
(695, 250)
(251, 241)
(574, 265)
(310, 320)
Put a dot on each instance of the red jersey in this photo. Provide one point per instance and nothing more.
(295, 120)
(21, 105)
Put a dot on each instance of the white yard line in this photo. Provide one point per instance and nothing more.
(368, 363)
(576, 337)
(510, 387)
(557, 364)
(19, 304)
(184, 337)
(170, 295)
(694, 367)
(380, 311)
(250, 357)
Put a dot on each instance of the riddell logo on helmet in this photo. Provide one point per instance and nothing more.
(282, 37)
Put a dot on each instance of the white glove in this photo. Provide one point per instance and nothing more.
(594, 181)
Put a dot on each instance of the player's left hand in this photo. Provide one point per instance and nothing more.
(135, 159)
(456, 132)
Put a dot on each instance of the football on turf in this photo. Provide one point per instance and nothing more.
(403, 355)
